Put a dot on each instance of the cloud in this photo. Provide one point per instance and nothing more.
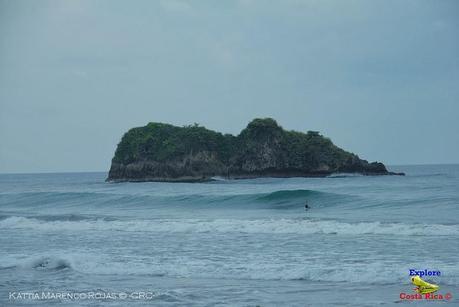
(333, 66)
(80, 73)
(176, 6)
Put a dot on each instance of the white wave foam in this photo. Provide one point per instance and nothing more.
(48, 263)
(269, 226)
(219, 178)
(243, 267)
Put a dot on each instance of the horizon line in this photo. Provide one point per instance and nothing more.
(106, 171)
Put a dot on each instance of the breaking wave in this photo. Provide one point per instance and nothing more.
(278, 199)
(246, 268)
(42, 263)
(49, 263)
(267, 226)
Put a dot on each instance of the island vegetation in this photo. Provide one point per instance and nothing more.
(164, 152)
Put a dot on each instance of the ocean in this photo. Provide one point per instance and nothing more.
(73, 239)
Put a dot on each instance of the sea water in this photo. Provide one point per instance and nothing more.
(65, 237)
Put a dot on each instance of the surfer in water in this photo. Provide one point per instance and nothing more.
(306, 206)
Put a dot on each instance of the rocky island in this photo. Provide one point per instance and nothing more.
(163, 152)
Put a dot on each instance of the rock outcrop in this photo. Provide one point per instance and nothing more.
(163, 152)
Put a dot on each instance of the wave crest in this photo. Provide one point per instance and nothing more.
(47, 263)
(269, 226)
(247, 268)
(74, 199)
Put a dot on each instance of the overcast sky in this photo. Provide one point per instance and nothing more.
(380, 78)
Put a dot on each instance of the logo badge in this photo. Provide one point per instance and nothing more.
(423, 286)
(424, 290)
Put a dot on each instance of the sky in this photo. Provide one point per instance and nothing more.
(380, 78)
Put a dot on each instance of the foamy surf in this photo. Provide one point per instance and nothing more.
(268, 226)
(246, 268)
(235, 241)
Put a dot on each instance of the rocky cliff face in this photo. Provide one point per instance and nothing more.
(162, 152)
